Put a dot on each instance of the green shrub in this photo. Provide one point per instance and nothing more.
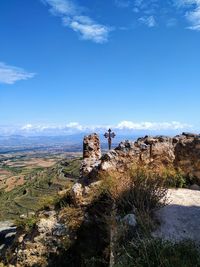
(26, 224)
(174, 178)
(158, 253)
(146, 193)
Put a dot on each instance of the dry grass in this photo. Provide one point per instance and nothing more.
(73, 217)
(139, 189)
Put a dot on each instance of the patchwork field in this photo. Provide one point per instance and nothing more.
(27, 181)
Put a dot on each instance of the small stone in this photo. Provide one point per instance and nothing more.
(129, 220)
(59, 230)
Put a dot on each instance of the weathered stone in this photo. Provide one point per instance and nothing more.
(129, 220)
(91, 154)
(46, 225)
(59, 229)
(77, 193)
(181, 152)
(187, 155)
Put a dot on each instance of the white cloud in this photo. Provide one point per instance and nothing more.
(148, 21)
(71, 128)
(11, 74)
(192, 12)
(72, 17)
(88, 29)
(194, 18)
(61, 7)
(152, 125)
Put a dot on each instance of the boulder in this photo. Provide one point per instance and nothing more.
(77, 193)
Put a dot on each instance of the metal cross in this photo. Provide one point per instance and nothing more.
(110, 135)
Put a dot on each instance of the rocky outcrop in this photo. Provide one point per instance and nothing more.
(48, 236)
(152, 151)
(181, 152)
(91, 154)
(187, 154)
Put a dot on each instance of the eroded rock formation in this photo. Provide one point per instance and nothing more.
(181, 151)
(91, 154)
(187, 154)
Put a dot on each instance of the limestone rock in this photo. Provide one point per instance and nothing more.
(91, 154)
(46, 225)
(34, 249)
(77, 193)
(181, 152)
(129, 220)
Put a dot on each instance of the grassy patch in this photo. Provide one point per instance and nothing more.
(154, 253)
(26, 224)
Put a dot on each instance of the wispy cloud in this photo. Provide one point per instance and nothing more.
(145, 11)
(73, 17)
(122, 3)
(148, 21)
(192, 12)
(154, 12)
(10, 74)
(194, 18)
(88, 29)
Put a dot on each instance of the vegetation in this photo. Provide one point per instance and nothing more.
(95, 229)
(155, 252)
(141, 192)
(146, 192)
(174, 178)
(41, 188)
(27, 223)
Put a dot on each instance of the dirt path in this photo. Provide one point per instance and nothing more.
(181, 218)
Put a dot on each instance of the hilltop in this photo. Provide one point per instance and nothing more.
(116, 211)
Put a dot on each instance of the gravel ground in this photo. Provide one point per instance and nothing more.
(180, 219)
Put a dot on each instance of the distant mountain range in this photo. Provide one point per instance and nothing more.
(75, 139)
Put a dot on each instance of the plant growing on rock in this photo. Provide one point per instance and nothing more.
(27, 224)
(146, 192)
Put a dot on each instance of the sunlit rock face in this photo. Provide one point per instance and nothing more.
(181, 151)
(154, 151)
(91, 154)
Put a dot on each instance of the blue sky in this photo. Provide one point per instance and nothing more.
(129, 64)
